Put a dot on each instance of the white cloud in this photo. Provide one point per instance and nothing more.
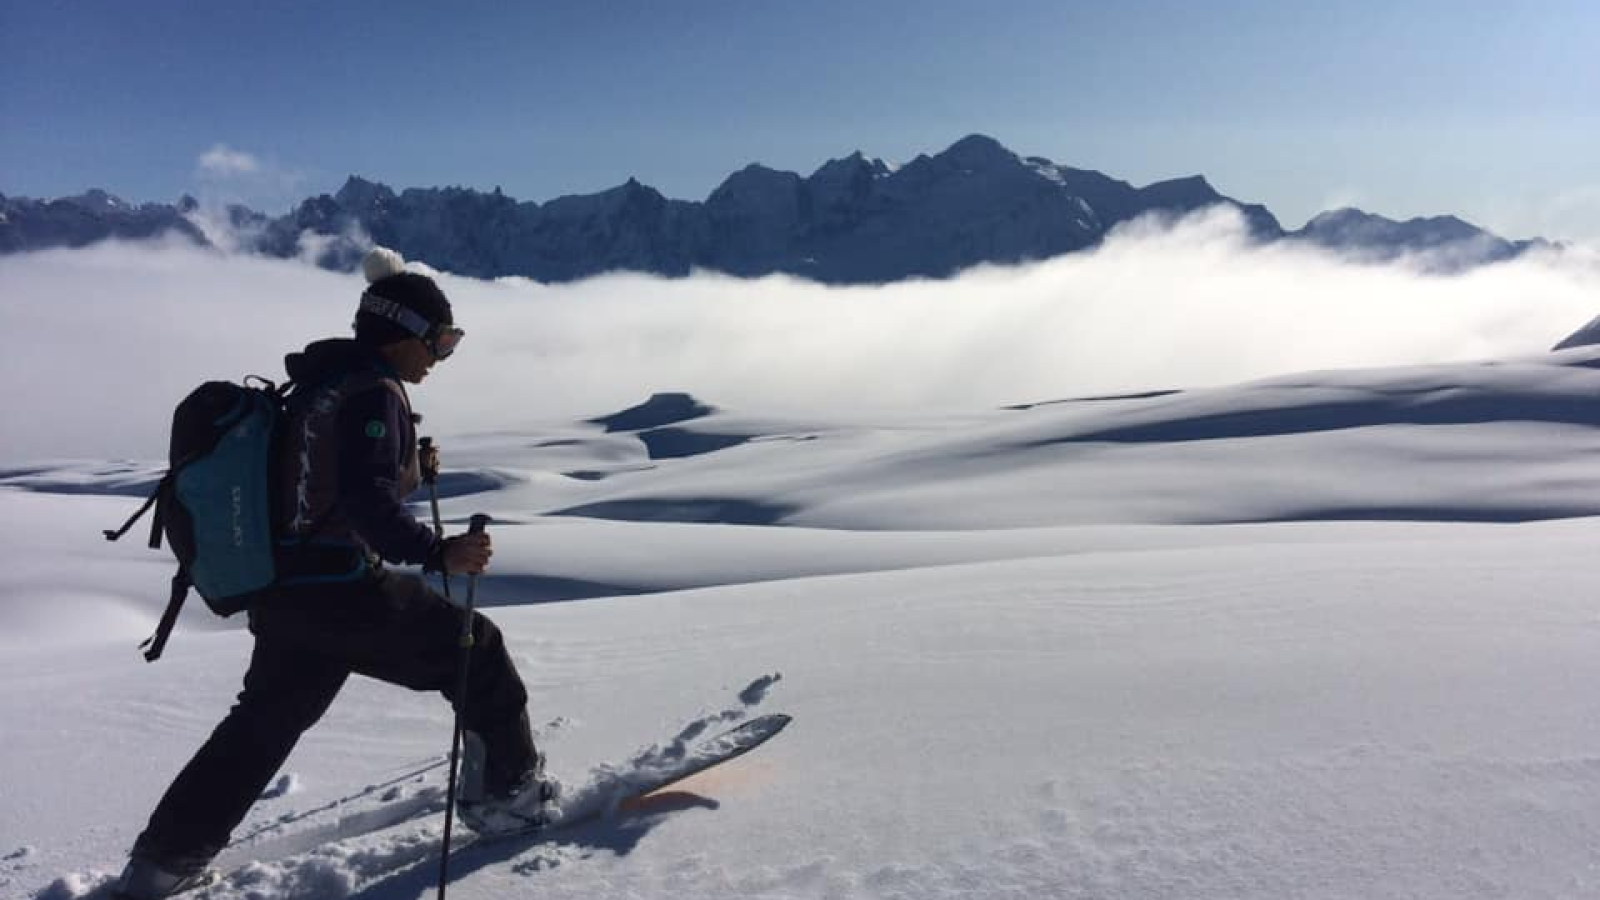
(1158, 306)
(221, 160)
(224, 177)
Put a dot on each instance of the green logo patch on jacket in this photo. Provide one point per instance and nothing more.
(376, 429)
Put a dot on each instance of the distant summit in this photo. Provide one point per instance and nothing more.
(89, 217)
(854, 220)
(1449, 242)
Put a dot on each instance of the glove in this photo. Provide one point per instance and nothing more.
(463, 554)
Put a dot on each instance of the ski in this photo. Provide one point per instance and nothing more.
(611, 790)
(607, 795)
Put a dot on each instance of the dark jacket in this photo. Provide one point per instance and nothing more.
(348, 463)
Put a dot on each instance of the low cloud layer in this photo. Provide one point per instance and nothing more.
(105, 340)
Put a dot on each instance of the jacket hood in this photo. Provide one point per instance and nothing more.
(332, 358)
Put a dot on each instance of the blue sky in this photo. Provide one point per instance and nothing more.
(1488, 110)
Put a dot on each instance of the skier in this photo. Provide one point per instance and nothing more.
(349, 460)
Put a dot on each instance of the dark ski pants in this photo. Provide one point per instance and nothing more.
(391, 627)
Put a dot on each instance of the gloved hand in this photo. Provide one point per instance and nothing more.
(464, 554)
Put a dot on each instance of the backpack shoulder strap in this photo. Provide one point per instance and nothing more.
(155, 643)
(155, 499)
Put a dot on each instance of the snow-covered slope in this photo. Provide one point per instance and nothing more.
(1326, 636)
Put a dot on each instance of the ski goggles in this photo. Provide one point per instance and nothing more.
(443, 341)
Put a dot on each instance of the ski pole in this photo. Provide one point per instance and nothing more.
(478, 523)
(430, 476)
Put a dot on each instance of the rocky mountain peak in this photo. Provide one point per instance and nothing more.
(359, 193)
(978, 151)
(96, 200)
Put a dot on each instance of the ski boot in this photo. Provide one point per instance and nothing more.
(524, 807)
(146, 879)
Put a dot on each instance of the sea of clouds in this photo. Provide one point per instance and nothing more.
(103, 341)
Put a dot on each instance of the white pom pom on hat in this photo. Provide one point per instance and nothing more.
(381, 262)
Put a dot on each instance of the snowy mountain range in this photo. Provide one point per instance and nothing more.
(854, 220)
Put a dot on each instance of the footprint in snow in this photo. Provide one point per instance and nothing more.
(757, 690)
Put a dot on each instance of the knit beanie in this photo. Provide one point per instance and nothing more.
(398, 304)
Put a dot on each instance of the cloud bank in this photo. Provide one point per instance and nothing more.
(106, 340)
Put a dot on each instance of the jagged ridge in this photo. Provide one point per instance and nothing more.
(853, 220)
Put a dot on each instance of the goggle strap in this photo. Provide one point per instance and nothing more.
(384, 308)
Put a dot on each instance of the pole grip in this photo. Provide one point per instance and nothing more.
(430, 473)
(478, 523)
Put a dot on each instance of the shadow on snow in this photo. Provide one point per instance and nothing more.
(618, 836)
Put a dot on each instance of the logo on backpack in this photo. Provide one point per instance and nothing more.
(238, 516)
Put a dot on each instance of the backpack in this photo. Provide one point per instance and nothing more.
(215, 502)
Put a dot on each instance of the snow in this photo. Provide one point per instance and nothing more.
(1048, 172)
(1322, 635)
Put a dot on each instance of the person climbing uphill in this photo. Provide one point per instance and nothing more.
(349, 460)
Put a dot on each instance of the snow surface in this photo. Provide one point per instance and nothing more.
(1331, 635)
